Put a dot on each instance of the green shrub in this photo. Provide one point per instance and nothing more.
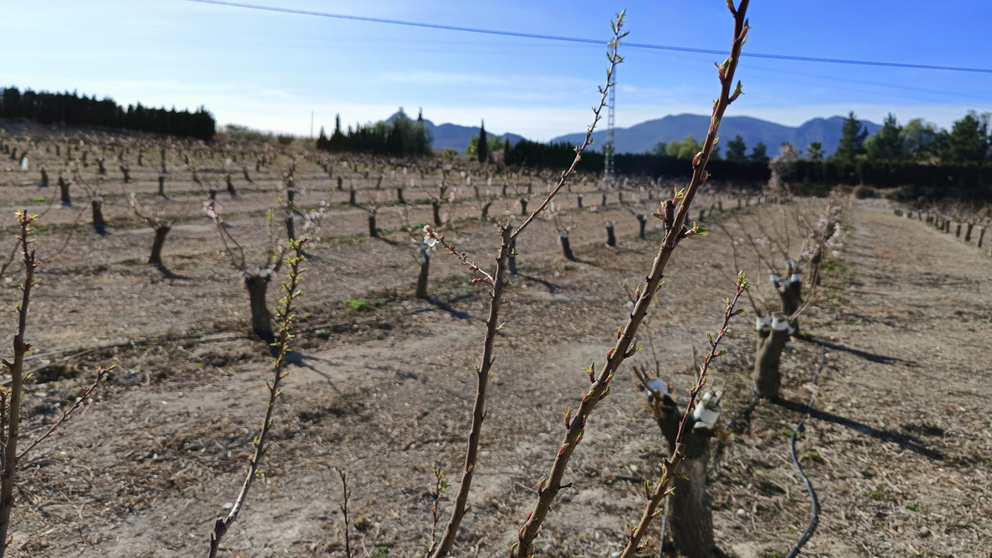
(359, 305)
(864, 192)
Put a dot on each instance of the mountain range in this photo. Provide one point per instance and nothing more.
(646, 135)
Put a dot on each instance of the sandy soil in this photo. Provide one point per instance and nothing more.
(897, 450)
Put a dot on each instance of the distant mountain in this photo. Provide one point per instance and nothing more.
(454, 136)
(644, 136)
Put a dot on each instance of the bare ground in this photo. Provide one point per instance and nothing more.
(897, 449)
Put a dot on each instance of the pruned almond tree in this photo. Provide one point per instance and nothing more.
(789, 242)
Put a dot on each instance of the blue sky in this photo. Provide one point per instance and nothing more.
(269, 70)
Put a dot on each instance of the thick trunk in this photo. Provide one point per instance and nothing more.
(425, 268)
(399, 195)
(523, 206)
(351, 197)
(485, 210)
(566, 247)
(161, 231)
(161, 185)
(98, 221)
(340, 184)
(790, 294)
(967, 232)
(642, 221)
(579, 200)
(44, 178)
(290, 225)
(64, 191)
(690, 511)
(230, 186)
(611, 238)
(257, 283)
(772, 338)
(436, 206)
(373, 230)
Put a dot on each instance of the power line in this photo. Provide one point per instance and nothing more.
(580, 40)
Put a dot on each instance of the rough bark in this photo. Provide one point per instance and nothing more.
(161, 231)
(642, 221)
(523, 206)
(772, 338)
(257, 283)
(611, 238)
(98, 221)
(373, 230)
(64, 192)
(579, 200)
(425, 269)
(230, 186)
(436, 206)
(566, 247)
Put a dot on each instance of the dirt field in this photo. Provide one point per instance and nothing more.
(897, 449)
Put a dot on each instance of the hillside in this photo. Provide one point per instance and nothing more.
(644, 136)
(455, 136)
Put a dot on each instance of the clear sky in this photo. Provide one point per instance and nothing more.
(269, 70)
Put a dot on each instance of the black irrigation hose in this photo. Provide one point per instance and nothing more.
(744, 412)
(815, 516)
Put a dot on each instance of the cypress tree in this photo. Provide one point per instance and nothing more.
(482, 149)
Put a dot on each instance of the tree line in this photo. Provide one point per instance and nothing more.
(400, 137)
(72, 109)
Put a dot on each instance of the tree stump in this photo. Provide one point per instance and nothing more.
(99, 223)
(373, 230)
(257, 283)
(161, 185)
(425, 268)
(64, 191)
(44, 177)
(523, 206)
(773, 334)
(611, 238)
(340, 184)
(579, 200)
(967, 233)
(642, 221)
(161, 231)
(485, 210)
(230, 186)
(399, 195)
(566, 247)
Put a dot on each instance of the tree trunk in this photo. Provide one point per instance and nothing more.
(611, 239)
(257, 283)
(44, 178)
(512, 259)
(127, 174)
(702, 214)
(425, 268)
(230, 186)
(98, 221)
(399, 195)
(604, 200)
(351, 197)
(690, 511)
(772, 338)
(791, 296)
(566, 247)
(642, 221)
(485, 210)
(64, 191)
(161, 185)
(161, 231)
(579, 200)
(957, 231)
(967, 233)
(340, 184)
(523, 206)
(291, 225)
(436, 206)
(213, 193)
(247, 177)
(373, 230)
(981, 235)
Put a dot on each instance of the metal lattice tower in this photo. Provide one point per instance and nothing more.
(608, 147)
